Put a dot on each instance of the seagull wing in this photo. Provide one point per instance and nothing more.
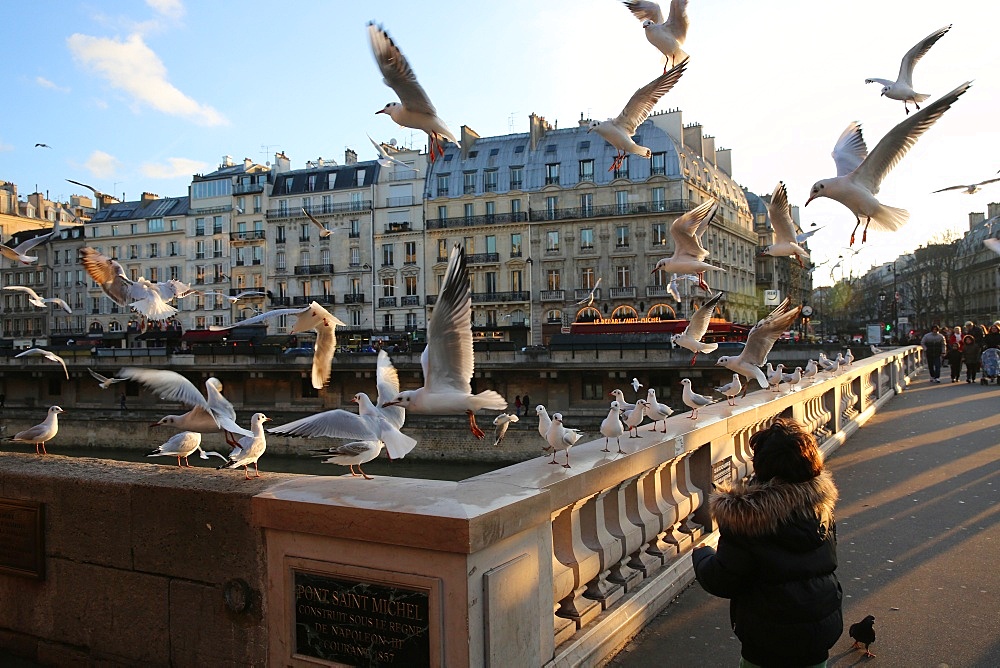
(678, 19)
(780, 213)
(337, 423)
(218, 404)
(322, 365)
(314, 221)
(28, 291)
(382, 155)
(396, 72)
(26, 245)
(762, 336)
(992, 244)
(92, 189)
(32, 352)
(108, 274)
(699, 321)
(850, 150)
(983, 183)
(169, 385)
(387, 382)
(645, 9)
(643, 100)
(58, 302)
(894, 145)
(448, 360)
(98, 377)
(950, 188)
(917, 52)
(686, 231)
(263, 317)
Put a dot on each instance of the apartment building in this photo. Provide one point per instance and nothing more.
(783, 274)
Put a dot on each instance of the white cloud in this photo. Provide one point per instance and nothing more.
(101, 164)
(173, 9)
(45, 83)
(5, 147)
(174, 168)
(134, 68)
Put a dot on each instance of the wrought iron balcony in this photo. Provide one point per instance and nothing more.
(471, 221)
(280, 240)
(313, 269)
(397, 227)
(431, 300)
(409, 300)
(656, 291)
(301, 300)
(622, 293)
(325, 209)
(325, 300)
(582, 293)
(384, 302)
(354, 298)
(235, 291)
(249, 235)
(483, 258)
(405, 200)
(664, 206)
(553, 295)
(514, 296)
(244, 189)
(281, 301)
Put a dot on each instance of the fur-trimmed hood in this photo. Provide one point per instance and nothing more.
(751, 508)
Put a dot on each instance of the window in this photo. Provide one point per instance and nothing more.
(622, 171)
(587, 238)
(586, 170)
(442, 249)
(307, 204)
(279, 234)
(257, 253)
(327, 204)
(468, 210)
(624, 276)
(175, 225)
(516, 177)
(216, 224)
(199, 227)
(469, 244)
(282, 207)
(551, 205)
(491, 243)
(587, 278)
(355, 321)
(552, 241)
(279, 261)
(411, 285)
(621, 201)
(355, 256)
(659, 234)
(310, 185)
(490, 180)
(387, 322)
(355, 231)
(217, 248)
(387, 255)
(469, 183)
(304, 232)
(553, 279)
(621, 236)
(659, 164)
(552, 174)
(515, 280)
(515, 206)
(154, 250)
(216, 188)
(199, 250)
(515, 244)
(133, 252)
(593, 387)
(411, 321)
(256, 204)
(389, 287)
(659, 202)
(154, 225)
(491, 281)
(442, 184)
(587, 205)
(410, 252)
(175, 273)
(442, 213)
(491, 211)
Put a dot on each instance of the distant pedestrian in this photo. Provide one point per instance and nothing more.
(955, 353)
(971, 350)
(526, 403)
(517, 405)
(933, 344)
(3, 400)
(122, 404)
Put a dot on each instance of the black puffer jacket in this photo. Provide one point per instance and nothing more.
(776, 559)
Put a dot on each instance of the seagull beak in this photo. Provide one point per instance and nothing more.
(390, 403)
(380, 111)
(155, 424)
(811, 198)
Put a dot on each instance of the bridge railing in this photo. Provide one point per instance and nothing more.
(536, 564)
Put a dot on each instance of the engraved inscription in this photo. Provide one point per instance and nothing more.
(21, 546)
(360, 623)
(722, 471)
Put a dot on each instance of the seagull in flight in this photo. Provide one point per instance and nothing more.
(500, 426)
(323, 231)
(20, 252)
(780, 212)
(689, 254)
(802, 236)
(690, 338)
(385, 159)
(666, 35)
(448, 361)
(104, 382)
(35, 300)
(42, 146)
(759, 342)
(902, 87)
(414, 110)
(232, 299)
(51, 356)
(970, 189)
(618, 131)
(859, 174)
(148, 298)
(673, 287)
(589, 299)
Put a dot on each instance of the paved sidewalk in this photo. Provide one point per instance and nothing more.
(919, 540)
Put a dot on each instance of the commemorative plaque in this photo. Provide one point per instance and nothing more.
(722, 471)
(22, 547)
(359, 623)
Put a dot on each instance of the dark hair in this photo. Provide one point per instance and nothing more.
(786, 451)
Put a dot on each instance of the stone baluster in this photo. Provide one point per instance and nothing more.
(683, 504)
(869, 387)
(570, 549)
(629, 529)
(742, 457)
(694, 494)
(848, 401)
(609, 585)
(637, 507)
(562, 587)
(659, 503)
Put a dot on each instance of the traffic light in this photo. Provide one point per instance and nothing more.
(888, 327)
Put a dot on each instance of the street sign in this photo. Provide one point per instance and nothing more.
(875, 334)
(772, 297)
(903, 321)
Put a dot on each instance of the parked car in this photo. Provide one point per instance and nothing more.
(304, 350)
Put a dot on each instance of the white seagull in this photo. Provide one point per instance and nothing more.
(40, 433)
(657, 410)
(775, 377)
(448, 361)
(902, 87)
(667, 36)
(859, 174)
(760, 340)
(620, 398)
(387, 160)
(232, 299)
(785, 242)
(731, 390)
(500, 425)
(802, 236)
(324, 232)
(636, 385)
(673, 287)
(51, 356)
(250, 448)
(370, 423)
(148, 298)
(690, 338)
(209, 413)
(20, 252)
(693, 400)
(689, 255)
(35, 300)
(618, 131)
(876, 350)
(104, 381)
(312, 317)
(589, 299)
(793, 378)
(414, 110)
(970, 189)
(612, 427)
(561, 438)
(352, 454)
(992, 244)
(634, 417)
(182, 445)
(811, 369)
(544, 421)
(849, 357)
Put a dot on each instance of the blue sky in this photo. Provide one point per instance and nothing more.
(135, 96)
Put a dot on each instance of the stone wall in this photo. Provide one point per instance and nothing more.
(137, 559)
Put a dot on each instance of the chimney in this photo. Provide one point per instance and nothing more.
(350, 157)
(692, 138)
(993, 209)
(227, 161)
(708, 143)
(537, 127)
(975, 218)
(724, 160)
(468, 137)
(281, 163)
(320, 162)
(148, 197)
(670, 121)
(583, 122)
(247, 163)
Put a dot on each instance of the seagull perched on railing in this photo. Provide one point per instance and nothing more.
(182, 446)
(792, 379)
(40, 433)
(657, 410)
(250, 448)
(635, 416)
(35, 300)
(731, 390)
(561, 438)
(612, 427)
(352, 454)
(544, 421)
(774, 376)
(693, 400)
